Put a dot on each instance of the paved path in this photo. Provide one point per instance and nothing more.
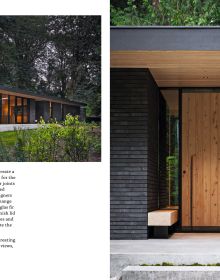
(181, 248)
(11, 127)
(178, 243)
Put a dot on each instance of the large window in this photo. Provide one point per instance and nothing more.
(4, 115)
(25, 110)
(19, 110)
(13, 109)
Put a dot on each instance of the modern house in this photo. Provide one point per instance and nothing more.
(165, 130)
(22, 107)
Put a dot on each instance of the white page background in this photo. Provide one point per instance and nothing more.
(62, 209)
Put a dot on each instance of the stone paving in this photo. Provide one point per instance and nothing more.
(181, 248)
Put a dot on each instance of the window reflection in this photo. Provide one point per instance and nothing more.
(172, 145)
(4, 118)
(25, 110)
(19, 110)
(13, 109)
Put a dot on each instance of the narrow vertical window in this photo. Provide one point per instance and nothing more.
(25, 110)
(4, 118)
(19, 110)
(12, 110)
(172, 146)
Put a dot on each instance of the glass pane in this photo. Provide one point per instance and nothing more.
(4, 108)
(172, 143)
(19, 110)
(12, 109)
(25, 110)
(51, 110)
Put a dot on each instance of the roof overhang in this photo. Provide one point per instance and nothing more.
(31, 95)
(176, 56)
(165, 38)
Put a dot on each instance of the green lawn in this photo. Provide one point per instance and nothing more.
(9, 137)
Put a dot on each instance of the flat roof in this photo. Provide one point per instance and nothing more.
(177, 56)
(37, 96)
(133, 38)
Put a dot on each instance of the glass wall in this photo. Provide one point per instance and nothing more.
(172, 143)
(19, 110)
(4, 108)
(13, 109)
(25, 110)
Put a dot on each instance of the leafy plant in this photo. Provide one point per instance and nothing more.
(165, 12)
(77, 140)
(5, 154)
(43, 144)
(71, 140)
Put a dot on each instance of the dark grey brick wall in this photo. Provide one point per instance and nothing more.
(134, 152)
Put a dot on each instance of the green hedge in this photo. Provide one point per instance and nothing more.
(71, 140)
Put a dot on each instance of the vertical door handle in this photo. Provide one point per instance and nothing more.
(191, 188)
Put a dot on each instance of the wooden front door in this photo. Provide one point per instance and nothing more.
(201, 159)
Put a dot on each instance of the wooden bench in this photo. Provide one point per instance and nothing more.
(161, 221)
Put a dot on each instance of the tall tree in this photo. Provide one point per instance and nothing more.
(25, 37)
(57, 55)
(165, 12)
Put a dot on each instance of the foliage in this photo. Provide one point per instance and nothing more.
(4, 152)
(42, 144)
(77, 141)
(55, 55)
(70, 141)
(172, 158)
(8, 137)
(172, 163)
(165, 12)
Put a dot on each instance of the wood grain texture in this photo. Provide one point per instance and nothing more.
(191, 148)
(198, 169)
(206, 160)
(214, 159)
(162, 217)
(185, 163)
(161, 59)
(174, 68)
(200, 154)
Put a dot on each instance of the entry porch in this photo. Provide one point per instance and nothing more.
(181, 248)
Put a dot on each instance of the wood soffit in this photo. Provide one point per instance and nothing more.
(174, 68)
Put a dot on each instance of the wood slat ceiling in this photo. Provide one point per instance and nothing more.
(174, 68)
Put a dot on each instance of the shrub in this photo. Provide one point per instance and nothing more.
(71, 140)
(43, 144)
(5, 154)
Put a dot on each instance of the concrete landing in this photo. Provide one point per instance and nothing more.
(171, 273)
(11, 127)
(181, 248)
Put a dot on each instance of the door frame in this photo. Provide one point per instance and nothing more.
(181, 91)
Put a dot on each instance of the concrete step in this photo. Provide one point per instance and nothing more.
(120, 261)
(171, 273)
(180, 249)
